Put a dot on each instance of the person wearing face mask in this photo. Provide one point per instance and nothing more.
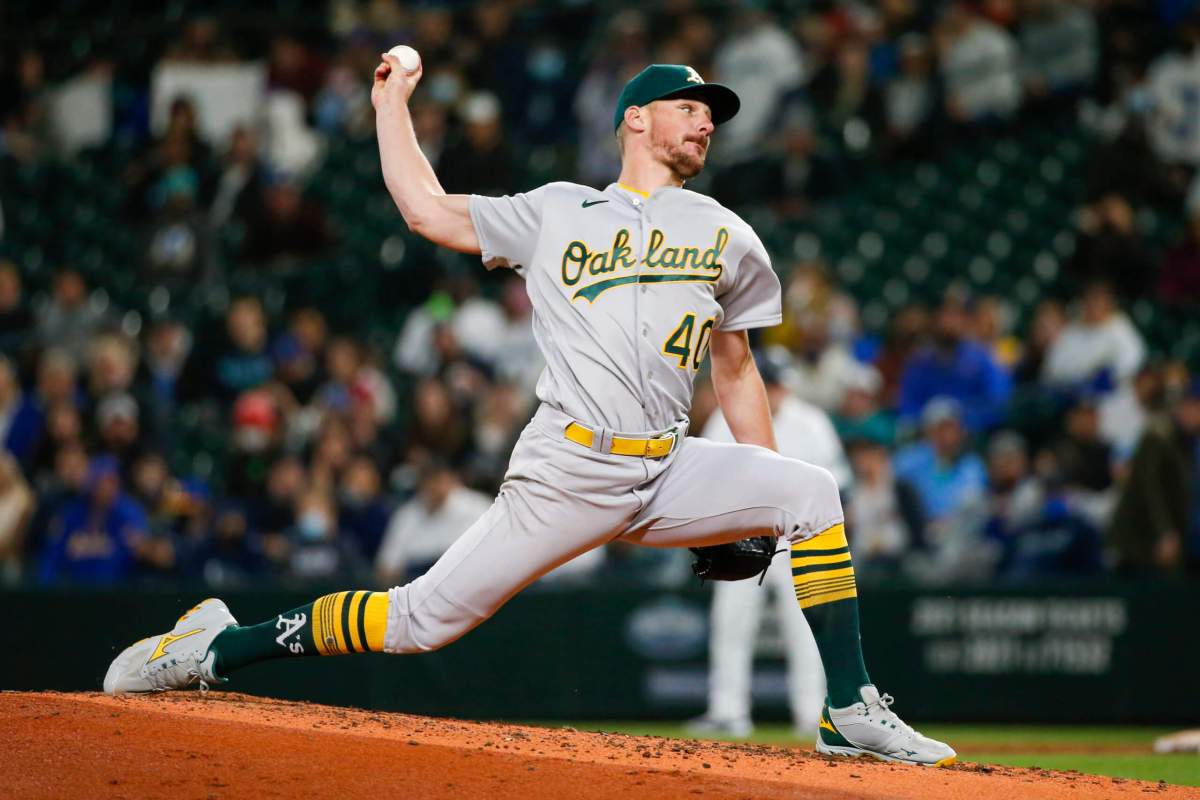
(363, 509)
(445, 86)
(257, 438)
(317, 550)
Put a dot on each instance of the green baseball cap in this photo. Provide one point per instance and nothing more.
(661, 81)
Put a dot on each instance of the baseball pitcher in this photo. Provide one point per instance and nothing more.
(632, 287)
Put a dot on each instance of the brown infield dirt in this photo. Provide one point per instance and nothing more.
(220, 745)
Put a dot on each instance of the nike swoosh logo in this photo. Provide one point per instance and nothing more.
(590, 203)
(827, 725)
(167, 640)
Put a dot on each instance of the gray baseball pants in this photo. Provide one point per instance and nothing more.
(560, 499)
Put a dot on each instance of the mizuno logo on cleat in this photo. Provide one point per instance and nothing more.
(167, 640)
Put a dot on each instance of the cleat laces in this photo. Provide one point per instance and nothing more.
(177, 672)
(880, 711)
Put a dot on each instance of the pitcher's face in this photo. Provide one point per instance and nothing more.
(679, 134)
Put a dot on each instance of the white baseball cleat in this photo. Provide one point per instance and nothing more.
(871, 728)
(173, 660)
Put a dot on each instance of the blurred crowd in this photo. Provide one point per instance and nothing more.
(983, 445)
(317, 475)
(981, 450)
(827, 88)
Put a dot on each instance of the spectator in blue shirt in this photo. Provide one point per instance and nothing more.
(954, 366)
(237, 364)
(1031, 520)
(947, 477)
(93, 539)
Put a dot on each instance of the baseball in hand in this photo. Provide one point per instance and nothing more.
(409, 58)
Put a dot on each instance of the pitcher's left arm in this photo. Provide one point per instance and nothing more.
(740, 390)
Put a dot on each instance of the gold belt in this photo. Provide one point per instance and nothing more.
(655, 447)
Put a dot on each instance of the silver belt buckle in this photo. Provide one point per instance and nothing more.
(671, 434)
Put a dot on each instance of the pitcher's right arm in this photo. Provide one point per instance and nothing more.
(444, 219)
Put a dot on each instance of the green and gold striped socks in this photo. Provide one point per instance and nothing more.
(349, 622)
(354, 622)
(823, 576)
(336, 624)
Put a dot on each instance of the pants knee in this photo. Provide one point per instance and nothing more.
(814, 500)
(826, 486)
(425, 625)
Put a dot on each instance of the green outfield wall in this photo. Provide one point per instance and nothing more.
(1096, 652)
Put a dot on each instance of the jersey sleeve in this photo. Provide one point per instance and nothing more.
(507, 227)
(753, 299)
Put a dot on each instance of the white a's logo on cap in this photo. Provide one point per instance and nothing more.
(693, 76)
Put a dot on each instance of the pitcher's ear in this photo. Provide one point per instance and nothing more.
(635, 118)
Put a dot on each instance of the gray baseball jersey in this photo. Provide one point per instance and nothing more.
(626, 291)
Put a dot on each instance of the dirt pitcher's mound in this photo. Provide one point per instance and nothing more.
(228, 745)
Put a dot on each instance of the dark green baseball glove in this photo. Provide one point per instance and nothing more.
(734, 561)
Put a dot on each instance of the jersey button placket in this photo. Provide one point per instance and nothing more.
(637, 203)
(643, 220)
